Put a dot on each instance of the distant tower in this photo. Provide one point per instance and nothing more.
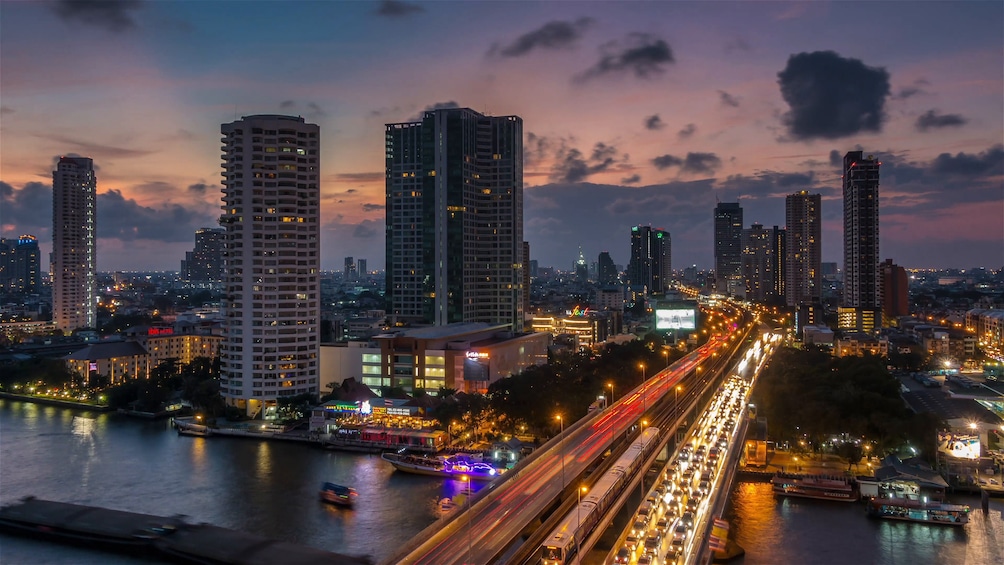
(804, 250)
(350, 270)
(361, 269)
(862, 302)
(581, 268)
(606, 269)
(651, 263)
(205, 262)
(19, 265)
(758, 264)
(271, 202)
(454, 226)
(728, 247)
(74, 244)
(895, 292)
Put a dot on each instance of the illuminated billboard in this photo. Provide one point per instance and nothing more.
(676, 319)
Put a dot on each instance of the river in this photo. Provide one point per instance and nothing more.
(270, 488)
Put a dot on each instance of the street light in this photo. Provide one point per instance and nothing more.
(561, 445)
(470, 518)
(578, 498)
(676, 405)
(644, 407)
(611, 387)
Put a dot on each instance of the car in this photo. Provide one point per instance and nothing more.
(631, 542)
(681, 531)
(662, 526)
(648, 559)
(676, 548)
(652, 544)
(623, 556)
(687, 519)
(704, 486)
(639, 528)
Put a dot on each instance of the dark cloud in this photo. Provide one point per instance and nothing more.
(728, 99)
(125, 219)
(373, 207)
(448, 105)
(374, 176)
(654, 122)
(687, 131)
(315, 110)
(666, 161)
(199, 188)
(631, 179)
(932, 119)
(95, 151)
(6, 110)
(112, 15)
(643, 54)
(737, 44)
(573, 166)
(773, 184)
(286, 104)
(698, 163)
(836, 158)
(398, 8)
(912, 90)
(29, 207)
(552, 35)
(831, 96)
(365, 231)
(989, 163)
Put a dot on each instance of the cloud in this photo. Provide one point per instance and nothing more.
(572, 166)
(365, 230)
(728, 99)
(313, 109)
(643, 54)
(127, 220)
(687, 131)
(96, 150)
(737, 44)
(830, 96)
(772, 184)
(552, 35)
(631, 179)
(373, 207)
(912, 90)
(836, 159)
(6, 110)
(990, 162)
(654, 122)
(398, 8)
(666, 161)
(932, 119)
(29, 207)
(113, 15)
(199, 188)
(374, 176)
(448, 105)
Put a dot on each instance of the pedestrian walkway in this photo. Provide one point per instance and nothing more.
(814, 464)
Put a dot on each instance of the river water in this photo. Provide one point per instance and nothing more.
(270, 488)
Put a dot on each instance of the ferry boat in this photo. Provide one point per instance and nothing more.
(919, 511)
(453, 467)
(338, 495)
(822, 487)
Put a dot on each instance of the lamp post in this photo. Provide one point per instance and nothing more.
(611, 387)
(676, 406)
(561, 448)
(470, 519)
(644, 407)
(578, 500)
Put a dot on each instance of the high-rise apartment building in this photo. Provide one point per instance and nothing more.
(729, 248)
(19, 265)
(271, 213)
(74, 244)
(759, 264)
(350, 274)
(895, 292)
(455, 219)
(361, 268)
(205, 262)
(606, 269)
(780, 238)
(862, 301)
(803, 249)
(650, 268)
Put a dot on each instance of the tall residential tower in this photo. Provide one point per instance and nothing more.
(862, 301)
(271, 201)
(650, 268)
(74, 244)
(729, 248)
(455, 219)
(804, 250)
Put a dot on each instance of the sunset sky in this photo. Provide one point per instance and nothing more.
(633, 112)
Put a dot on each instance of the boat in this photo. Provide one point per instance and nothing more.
(338, 495)
(453, 467)
(821, 487)
(919, 511)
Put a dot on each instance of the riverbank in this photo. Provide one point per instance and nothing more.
(64, 403)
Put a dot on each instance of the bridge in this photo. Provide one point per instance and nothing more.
(533, 496)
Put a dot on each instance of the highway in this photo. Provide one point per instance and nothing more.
(482, 533)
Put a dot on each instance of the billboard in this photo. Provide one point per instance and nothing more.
(675, 318)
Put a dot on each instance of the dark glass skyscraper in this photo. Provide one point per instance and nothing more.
(651, 264)
(205, 262)
(862, 290)
(729, 248)
(606, 269)
(455, 219)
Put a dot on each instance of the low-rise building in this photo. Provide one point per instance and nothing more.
(119, 361)
(858, 344)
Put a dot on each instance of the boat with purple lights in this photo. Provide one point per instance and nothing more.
(452, 467)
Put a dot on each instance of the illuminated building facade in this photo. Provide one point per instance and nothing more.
(803, 273)
(454, 219)
(19, 265)
(205, 262)
(271, 201)
(729, 248)
(760, 263)
(650, 269)
(74, 244)
(862, 288)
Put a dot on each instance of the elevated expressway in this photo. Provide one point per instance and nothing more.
(490, 529)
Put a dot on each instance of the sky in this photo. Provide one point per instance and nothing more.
(634, 113)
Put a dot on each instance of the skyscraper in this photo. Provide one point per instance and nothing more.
(271, 200)
(862, 292)
(895, 292)
(803, 248)
(19, 265)
(759, 263)
(74, 244)
(606, 270)
(729, 247)
(455, 219)
(779, 236)
(651, 265)
(581, 268)
(350, 270)
(205, 262)
(361, 268)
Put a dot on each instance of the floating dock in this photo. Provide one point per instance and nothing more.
(169, 538)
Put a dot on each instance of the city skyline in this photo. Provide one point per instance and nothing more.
(640, 115)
